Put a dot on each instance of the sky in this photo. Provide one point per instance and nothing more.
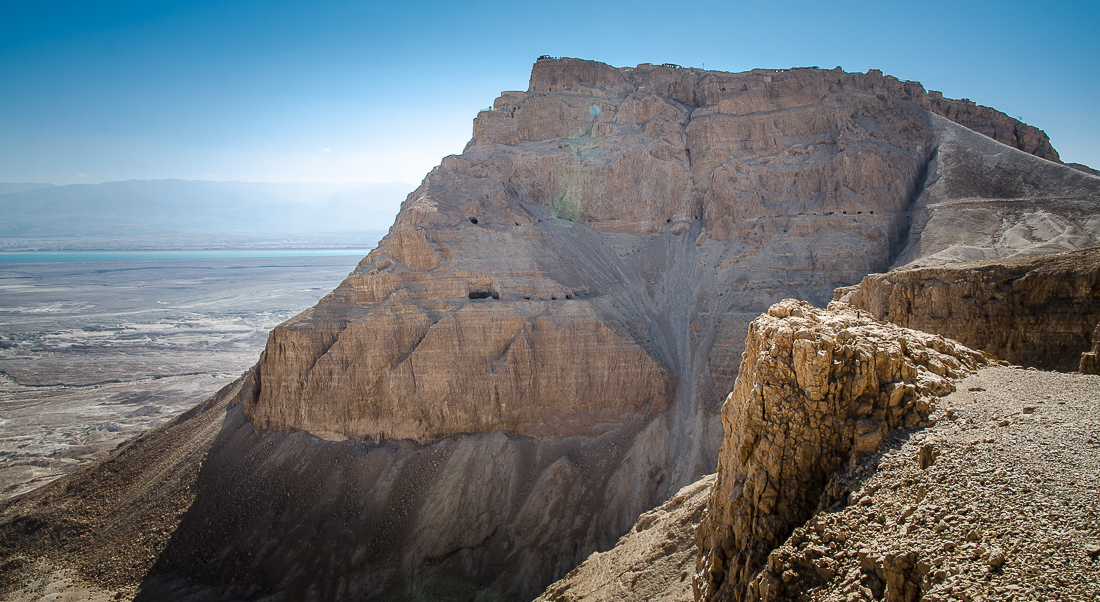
(343, 91)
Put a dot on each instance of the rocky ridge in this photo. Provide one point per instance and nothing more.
(1033, 310)
(611, 172)
(818, 392)
(997, 501)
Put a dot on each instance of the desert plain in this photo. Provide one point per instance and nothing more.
(94, 352)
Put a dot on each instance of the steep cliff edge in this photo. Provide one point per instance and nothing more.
(586, 270)
(1032, 311)
(818, 392)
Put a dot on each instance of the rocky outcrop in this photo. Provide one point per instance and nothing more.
(479, 368)
(1090, 360)
(1033, 311)
(601, 213)
(567, 302)
(994, 124)
(982, 504)
(818, 391)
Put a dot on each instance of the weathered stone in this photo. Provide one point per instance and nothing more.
(785, 439)
(1033, 311)
(545, 281)
(535, 354)
(1090, 360)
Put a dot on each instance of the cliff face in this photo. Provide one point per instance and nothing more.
(585, 273)
(543, 281)
(818, 391)
(1033, 311)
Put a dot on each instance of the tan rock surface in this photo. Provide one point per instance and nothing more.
(1033, 311)
(568, 222)
(819, 391)
(996, 500)
(1090, 360)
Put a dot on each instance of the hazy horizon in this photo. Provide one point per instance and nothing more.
(341, 185)
(176, 207)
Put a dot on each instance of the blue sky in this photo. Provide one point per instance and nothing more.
(375, 92)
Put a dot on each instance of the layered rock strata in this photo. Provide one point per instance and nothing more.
(595, 217)
(995, 501)
(1032, 311)
(818, 392)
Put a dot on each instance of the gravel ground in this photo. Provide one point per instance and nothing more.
(1006, 507)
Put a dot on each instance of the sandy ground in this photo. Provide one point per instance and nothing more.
(92, 353)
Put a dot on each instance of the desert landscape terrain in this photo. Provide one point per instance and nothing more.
(825, 287)
(94, 352)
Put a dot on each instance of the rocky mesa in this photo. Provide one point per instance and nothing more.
(537, 351)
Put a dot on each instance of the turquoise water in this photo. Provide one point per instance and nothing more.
(147, 255)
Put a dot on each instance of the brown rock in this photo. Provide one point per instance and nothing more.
(1090, 360)
(812, 381)
(543, 282)
(1035, 311)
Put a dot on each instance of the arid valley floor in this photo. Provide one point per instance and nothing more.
(94, 352)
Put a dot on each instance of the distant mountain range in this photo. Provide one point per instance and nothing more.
(195, 207)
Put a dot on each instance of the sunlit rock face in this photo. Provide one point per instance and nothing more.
(538, 350)
(596, 250)
(819, 390)
(1037, 310)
